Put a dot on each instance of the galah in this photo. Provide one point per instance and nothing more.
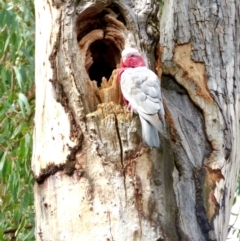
(142, 94)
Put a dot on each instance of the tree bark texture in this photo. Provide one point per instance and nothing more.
(95, 179)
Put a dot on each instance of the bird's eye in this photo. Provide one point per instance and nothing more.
(132, 55)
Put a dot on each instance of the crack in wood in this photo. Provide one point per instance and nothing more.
(109, 223)
(59, 94)
(121, 155)
(69, 167)
(51, 169)
(207, 207)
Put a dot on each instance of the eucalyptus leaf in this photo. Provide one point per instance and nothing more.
(16, 131)
(21, 226)
(18, 76)
(24, 105)
(2, 163)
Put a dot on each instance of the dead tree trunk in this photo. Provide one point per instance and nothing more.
(95, 180)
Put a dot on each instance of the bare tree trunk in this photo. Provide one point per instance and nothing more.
(95, 179)
(200, 43)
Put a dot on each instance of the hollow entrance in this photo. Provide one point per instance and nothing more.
(105, 57)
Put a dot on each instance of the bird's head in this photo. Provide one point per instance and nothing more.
(131, 58)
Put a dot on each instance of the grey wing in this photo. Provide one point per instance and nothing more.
(141, 87)
(152, 108)
(150, 88)
(130, 90)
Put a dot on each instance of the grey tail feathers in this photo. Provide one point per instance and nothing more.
(149, 133)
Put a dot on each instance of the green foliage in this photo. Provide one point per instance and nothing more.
(16, 119)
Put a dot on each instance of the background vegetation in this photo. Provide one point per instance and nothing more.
(16, 119)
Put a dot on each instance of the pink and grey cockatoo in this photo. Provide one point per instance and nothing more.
(142, 94)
